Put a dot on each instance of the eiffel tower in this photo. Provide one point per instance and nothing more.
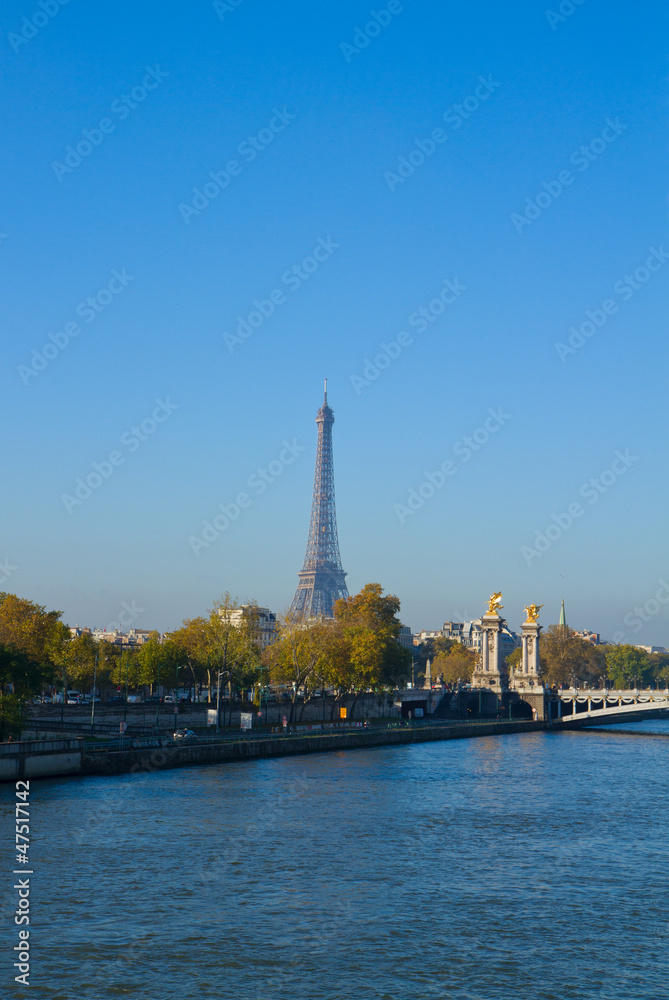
(322, 580)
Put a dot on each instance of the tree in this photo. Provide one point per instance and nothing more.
(126, 667)
(193, 650)
(79, 659)
(627, 665)
(154, 664)
(366, 652)
(233, 641)
(515, 658)
(566, 659)
(11, 716)
(28, 627)
(659, 668)
(299, 654)
(455, 665)
(19, 672)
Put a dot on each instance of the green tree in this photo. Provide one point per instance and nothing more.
(566, 659)
(19, 673)
(191, 642)
(11, 716)
(627, 666)
(155, 666)
(233, 642)
(126, 666)
(366, 652)
(79, 660)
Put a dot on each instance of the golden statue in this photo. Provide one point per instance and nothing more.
(495, 603)
(533, 612)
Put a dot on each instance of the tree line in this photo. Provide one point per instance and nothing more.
(219, 651)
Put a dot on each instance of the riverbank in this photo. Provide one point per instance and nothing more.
(155, 758)
(56, 758)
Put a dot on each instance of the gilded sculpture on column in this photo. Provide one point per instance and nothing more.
(495, 603)
(533, 612)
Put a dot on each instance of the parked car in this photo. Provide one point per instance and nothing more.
(169, 699)
(185, 734)
(134, 699)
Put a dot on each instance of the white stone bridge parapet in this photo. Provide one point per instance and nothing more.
(601, 705)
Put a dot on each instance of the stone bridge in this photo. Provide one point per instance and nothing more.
(597, 705)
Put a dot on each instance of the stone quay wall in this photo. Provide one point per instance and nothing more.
(248, 748)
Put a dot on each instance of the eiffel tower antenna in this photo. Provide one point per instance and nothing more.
(322, 580)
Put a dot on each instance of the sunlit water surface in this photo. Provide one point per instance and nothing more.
(525, 866)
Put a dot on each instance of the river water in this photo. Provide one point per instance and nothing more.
(524, 866)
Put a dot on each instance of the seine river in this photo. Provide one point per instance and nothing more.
(529, 867)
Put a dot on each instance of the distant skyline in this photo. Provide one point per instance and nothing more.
(457, 216)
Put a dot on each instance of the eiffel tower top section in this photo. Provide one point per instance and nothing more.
(322, 580)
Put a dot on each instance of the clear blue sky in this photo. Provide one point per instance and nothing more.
(330, 124)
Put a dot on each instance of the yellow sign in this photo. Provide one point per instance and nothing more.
(342, 713)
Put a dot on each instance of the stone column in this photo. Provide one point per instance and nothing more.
(491, 672)
(524, 666)
(485, 653)
(530, 632)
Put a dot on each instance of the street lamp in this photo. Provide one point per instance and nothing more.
(62, 704)
(261, 668)
(125, 704)
(158, 694)
(218, 701)
(95, 683)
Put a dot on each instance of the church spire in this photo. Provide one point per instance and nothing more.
(563, 617)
